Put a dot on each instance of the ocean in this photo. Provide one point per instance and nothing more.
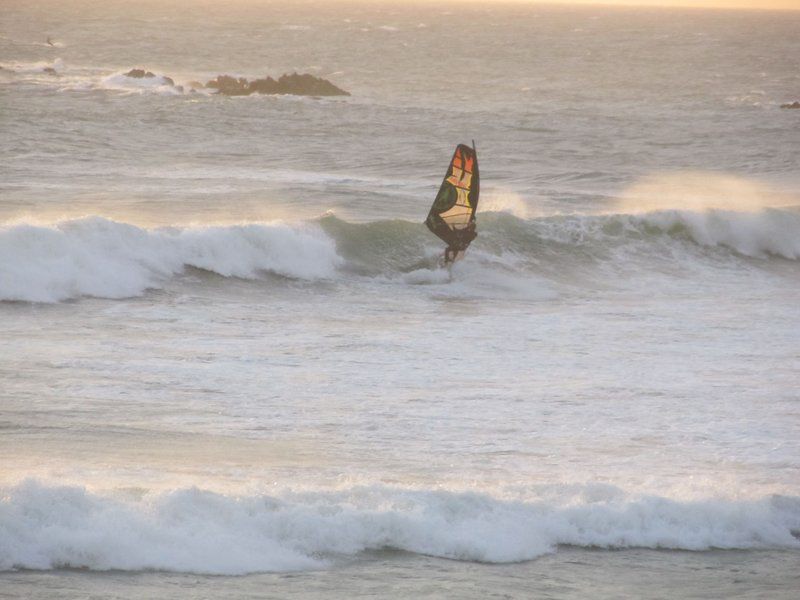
(231, 366)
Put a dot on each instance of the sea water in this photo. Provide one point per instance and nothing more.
(226, 348)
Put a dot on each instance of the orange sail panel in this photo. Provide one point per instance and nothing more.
(452, 216)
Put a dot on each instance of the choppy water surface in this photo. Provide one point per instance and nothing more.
(227, 349)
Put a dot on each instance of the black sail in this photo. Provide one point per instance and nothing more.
(452, 216)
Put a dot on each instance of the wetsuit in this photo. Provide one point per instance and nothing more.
(463, 238)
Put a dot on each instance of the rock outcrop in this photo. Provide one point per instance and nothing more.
(296, 84)
(795, 104)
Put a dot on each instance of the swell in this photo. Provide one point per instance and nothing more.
(95, 256)
(197, 531)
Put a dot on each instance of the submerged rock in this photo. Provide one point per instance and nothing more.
(142, 74)
(795, 104)
(296, 84)
(139, 74)
(50, 71)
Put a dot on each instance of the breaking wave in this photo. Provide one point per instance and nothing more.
(99, 257)
(197, 531)
(548, 244)
(94, 256)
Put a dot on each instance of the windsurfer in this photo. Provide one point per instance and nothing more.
(452, 215)
(458, 245)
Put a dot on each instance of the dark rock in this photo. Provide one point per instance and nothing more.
(795, 104)
(308, 85)
(296, 84)
(50, 71)
(230, 86)
(142, 74)
(265, 86)
(139, 74)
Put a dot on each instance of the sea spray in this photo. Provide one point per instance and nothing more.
(700, 190)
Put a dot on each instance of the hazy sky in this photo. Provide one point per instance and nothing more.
(762, 4)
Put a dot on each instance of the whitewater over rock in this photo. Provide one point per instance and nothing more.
(296, 84)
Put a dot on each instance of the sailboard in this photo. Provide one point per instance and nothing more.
(452, 215)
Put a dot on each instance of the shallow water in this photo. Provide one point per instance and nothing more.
(226, 348)
(569, 573)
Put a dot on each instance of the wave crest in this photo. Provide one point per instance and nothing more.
(757, 234)
(192, 530)
(94, 256)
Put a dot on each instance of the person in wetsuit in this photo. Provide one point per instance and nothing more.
(462, 238)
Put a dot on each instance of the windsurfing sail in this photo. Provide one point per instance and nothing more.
(452, 216)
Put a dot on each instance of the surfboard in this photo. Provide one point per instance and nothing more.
(452, 214)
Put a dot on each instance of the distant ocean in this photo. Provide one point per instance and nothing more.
(229, 363)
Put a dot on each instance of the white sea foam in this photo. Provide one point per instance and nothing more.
(83, 78)
(34, 68)
(98, 257)
(484, 276)
(427, 276)
(757, 234)
(191, 530)
(156, 84)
